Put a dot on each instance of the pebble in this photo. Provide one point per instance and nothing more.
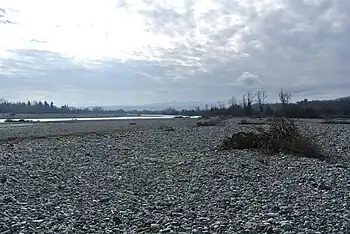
(272, 215)
(286, 225)
(167, 182)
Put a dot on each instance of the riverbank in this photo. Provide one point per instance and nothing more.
(158, 176)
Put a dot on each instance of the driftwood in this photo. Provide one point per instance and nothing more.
(282, 137)
(210, 122)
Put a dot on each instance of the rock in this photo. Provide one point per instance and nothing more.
(286, 210)
(307, 224)
(275, 209)
(286, 225)
(324, 186)
(195, 231)
(272, 215)
(37, 220)
(6, 232)
(165, 230)
(249, 225)
(3, 179)
(116, 220)
(155, 226)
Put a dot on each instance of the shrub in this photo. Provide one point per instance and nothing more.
(18, 121)
(282, 137)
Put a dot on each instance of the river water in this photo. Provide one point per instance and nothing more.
(96, 118)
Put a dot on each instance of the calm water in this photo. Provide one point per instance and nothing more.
(99, 118)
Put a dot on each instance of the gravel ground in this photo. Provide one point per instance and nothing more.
(146, 178)
(37, 130)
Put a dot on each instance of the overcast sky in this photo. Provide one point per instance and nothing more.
(132, 52)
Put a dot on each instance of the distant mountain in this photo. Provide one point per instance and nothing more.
(175, 104)
(157, 106)
(343, 99)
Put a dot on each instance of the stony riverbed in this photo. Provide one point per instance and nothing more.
(167, 177)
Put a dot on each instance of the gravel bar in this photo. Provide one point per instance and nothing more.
(41, 130)
(166, 176)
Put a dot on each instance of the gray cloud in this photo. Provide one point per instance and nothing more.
(233, 47)
(107, 81)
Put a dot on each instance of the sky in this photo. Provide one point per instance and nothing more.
(135, 52)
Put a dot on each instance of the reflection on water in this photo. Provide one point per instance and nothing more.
(25, 121)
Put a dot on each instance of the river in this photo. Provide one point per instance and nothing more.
(94, 118)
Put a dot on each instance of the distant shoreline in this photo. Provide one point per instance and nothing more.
(59, 115)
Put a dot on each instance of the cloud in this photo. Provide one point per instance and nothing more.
(56, 75)
(151, 50)
(248, 79)
(3, 19)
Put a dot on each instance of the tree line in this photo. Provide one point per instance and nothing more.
(45, 107)
(252, 104)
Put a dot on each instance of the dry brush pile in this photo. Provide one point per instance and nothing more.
(282, 136)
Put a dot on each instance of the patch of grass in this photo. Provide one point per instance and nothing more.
(282, 137)
(18, 121)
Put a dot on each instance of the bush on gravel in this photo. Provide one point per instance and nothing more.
(281, 137)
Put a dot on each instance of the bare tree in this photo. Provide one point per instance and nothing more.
(248, 99)
(97, 109)
(221, 105)
(244, 101)
(261, 98)
(285, 97)
(232, 101)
